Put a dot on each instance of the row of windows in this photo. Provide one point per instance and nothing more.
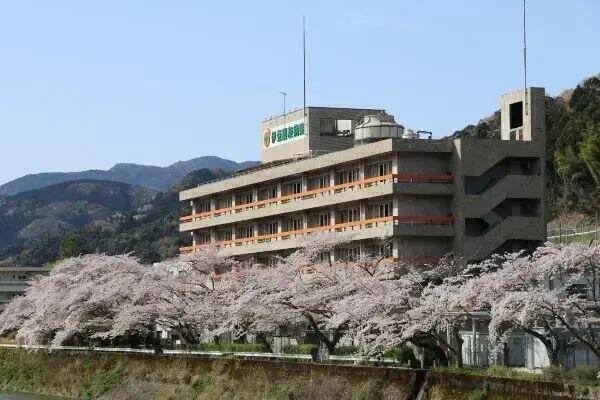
(290, 188)
(297, 223)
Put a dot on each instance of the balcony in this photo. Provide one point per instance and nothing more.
(421, 225)
(403, 183)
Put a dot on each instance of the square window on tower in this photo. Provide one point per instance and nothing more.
(516, 115)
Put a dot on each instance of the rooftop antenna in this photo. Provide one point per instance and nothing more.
(284, 94)
(304, 61)
(525, 55)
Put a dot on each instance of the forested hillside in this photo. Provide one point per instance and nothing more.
(148, 176)
(572, 148)
(93, 216)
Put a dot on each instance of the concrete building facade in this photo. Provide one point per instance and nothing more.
(469, 197)
(14, 281)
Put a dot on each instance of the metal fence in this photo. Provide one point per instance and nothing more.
(574, 234)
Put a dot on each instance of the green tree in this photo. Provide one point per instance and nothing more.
(70, 246)
(590, 153)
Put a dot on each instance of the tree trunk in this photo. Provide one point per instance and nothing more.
(330, 344)
(428, 344)
(552, 346)
(262, 339)
(458, 350)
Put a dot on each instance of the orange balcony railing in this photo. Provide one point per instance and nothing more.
(404, 219)
(396, 178)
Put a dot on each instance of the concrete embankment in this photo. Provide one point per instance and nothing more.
(95, 375)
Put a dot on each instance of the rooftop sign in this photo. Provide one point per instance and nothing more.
(283, 133)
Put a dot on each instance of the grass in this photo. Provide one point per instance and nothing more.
(299, 349)
(103, 376)
(230, 347)
(581, 375)
(575, 238)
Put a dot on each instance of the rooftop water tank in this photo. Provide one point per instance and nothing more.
(410, 134)
(374, 127)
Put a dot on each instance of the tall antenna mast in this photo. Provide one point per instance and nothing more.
(284, 94)
(525, 54)
(304, 62)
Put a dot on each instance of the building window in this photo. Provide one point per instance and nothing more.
(297, 187)
(225, 235)
(351, 215)
(271, 228)
(292, 188)
(202, 207)
(348, 254)
(347, 176)
(266, 194)
(245, 232)
(203, 238)
(516, 114)
(379, 250)
(324, 219)
(245, 198)
(323, 257)
(318, 183)
(385, 210)
(379, 169)
(335, 127)
(224, 202)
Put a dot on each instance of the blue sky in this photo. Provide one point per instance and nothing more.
(89, 84)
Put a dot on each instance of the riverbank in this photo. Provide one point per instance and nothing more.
(93, 375)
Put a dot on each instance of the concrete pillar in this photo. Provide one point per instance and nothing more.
(394, 163)
(395, 248)
(332, 216)
(474, 343)
(194, 239)
(332, 177)
(193, 204)
(213, 203)
(395, 206)
(233, 235)
(254, 194)
(361, 170)
(363, 210)
(213, 235)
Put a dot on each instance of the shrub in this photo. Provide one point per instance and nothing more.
(403, 355)
(584, 374)
(345, 350)
(553, 373)
(299, 349)
(230, 347)
(480, 394)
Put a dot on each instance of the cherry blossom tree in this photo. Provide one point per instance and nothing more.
(75, 303)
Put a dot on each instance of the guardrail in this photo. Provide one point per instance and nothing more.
(210, 354)
(571, 235)
(394, 178)
(400, 219)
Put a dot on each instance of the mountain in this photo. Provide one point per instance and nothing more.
(152, 177)
(86, 216)
(572, 148)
